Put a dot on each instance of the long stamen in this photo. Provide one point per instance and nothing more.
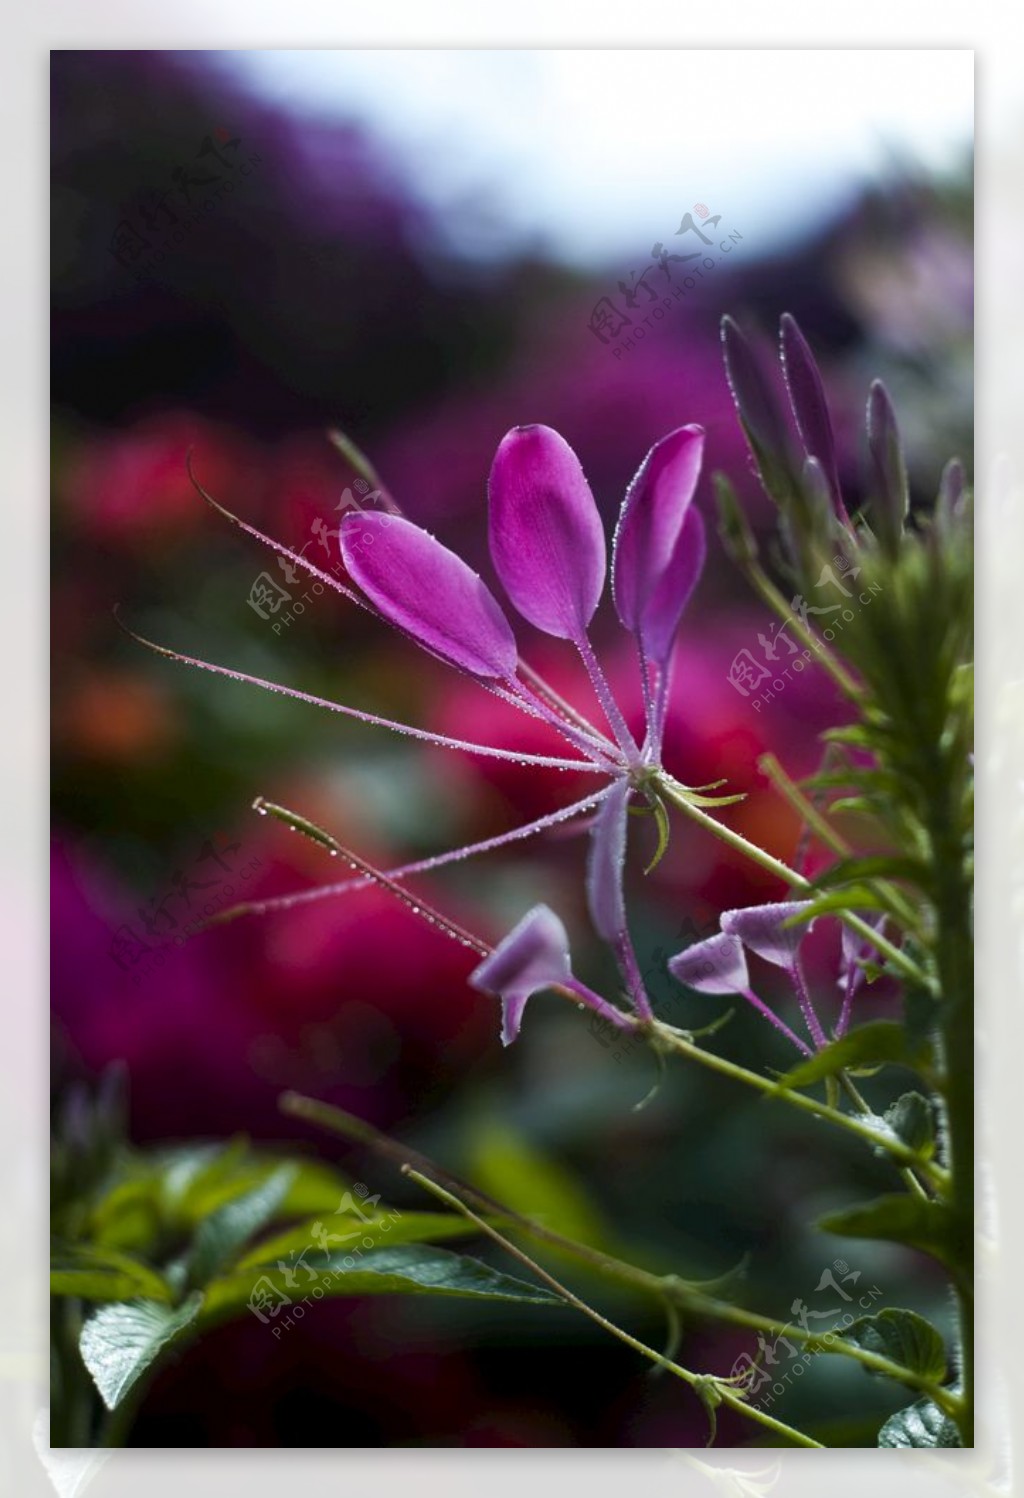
(421, 866)
(807, 1008)
(847, 1006)
(780, 1025)
(375, 876)
(612, 712)
(589, 742)
(547, 691)
(546, 761)
(277, 546)
(586, 743)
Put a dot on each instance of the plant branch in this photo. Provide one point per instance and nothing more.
(698, 1382)
(676, 793)
(673, 1288)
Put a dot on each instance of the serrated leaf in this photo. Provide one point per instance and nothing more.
(403, 1227)
(866, 1045)
(119, 1343)
(412, 1269)
(220, 1236)
(94, 1273)
(910, 1118)
(903, 1337)
(918, 1223)
(920, 1424)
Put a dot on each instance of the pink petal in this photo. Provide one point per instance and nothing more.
(651, 521)
(547, 540)
(429, 592)
(760, 927)
(664, 609)
(606, 864)
(717, 965)
(534, 955)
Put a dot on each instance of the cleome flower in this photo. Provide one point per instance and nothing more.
(718, 965)
(549, 551)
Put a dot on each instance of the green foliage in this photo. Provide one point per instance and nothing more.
(865, 1046)
(905, 1338)
(97, 1273)
(912, 1220)
(120, 1343)
(368, 1232)
(219, 1236)
(910, 1118)
(409, 1269)
(513, 1171)
(167, 1243)
(920, 1424)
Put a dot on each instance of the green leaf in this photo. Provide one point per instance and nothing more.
(220, 1236)
(866, 1045)
(94, 1273)
(920, 1424)
(402, 1227)
(903, 1337)
(127, 1216)
(876, 866)
(910, 1118)
(857, 897)
(926, 1225)
(512, 1170)
(119, 1343)
(412, 1269)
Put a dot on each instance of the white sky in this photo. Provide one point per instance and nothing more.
(598, 153)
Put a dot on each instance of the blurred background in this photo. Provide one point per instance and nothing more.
(426, 249)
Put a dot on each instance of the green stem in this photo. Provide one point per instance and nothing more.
(664, 1287)
(896, 903)
(721, 1310)
(954, 961)
(676, 793)
(677, 1040)
(695, 1380)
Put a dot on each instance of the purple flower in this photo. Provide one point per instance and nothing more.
(856, 950)
(533, 956)
(718, 965)
(812, 480)
(548, 547)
